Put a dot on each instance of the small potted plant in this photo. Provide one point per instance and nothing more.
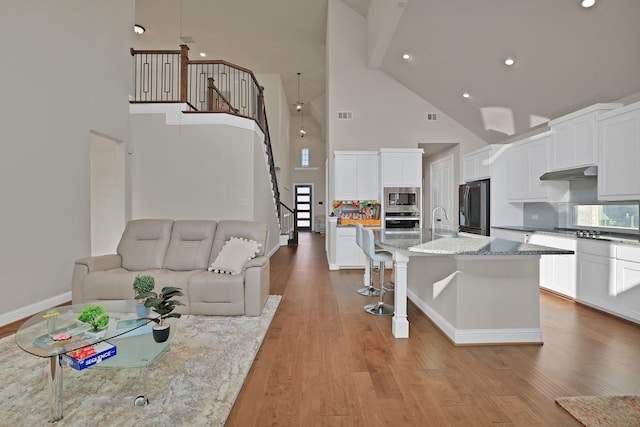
(163, 304)
(95, 316)
(143, 284)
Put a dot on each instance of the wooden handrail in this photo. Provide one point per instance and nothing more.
(151, 52)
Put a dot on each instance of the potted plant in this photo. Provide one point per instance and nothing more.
(95, 316)
(143, 284)
(163, 304)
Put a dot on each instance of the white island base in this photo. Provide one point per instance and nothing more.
(477, 299)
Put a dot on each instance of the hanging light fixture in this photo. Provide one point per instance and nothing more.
(299, 108)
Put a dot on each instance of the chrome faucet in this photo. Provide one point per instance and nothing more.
(433, 218)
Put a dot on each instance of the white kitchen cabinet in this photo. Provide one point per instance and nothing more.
(356, 175)
(557, 272)
(527, 160)
(573, 142)
(595, 282)
(476, 165)
(401, 167)
(628, 281)
(618, 134)
(348, 253)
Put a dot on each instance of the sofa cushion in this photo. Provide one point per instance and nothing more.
(210, 287)
(190, 245)
(227, 229)
(116, 283)
(144, 243)
(234, 254)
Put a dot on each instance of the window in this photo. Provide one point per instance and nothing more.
(304, 157)
(623, 217)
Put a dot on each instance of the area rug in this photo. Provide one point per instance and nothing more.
(195, 383)
(608, 411)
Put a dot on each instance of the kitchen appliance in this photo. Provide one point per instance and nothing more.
(402, 199)
(402, 222)
(474, 207)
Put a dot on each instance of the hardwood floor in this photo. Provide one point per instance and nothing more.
(326, 362)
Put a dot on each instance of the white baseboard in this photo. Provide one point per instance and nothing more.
(34, 308)
(477, 336)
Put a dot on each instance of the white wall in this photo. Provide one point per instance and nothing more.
(66, 72)
(386, 114)
(199, 171)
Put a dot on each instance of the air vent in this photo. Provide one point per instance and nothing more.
(345, 115)
(434, 117)
(187, 39)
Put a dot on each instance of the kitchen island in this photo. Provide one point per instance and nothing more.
(477, 290)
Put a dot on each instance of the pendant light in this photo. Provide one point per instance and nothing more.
(299, 106)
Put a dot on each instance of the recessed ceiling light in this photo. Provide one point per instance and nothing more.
(466, 95)
(587, 3)
(203, 54)
(138, 29)
(406, 56)
(509, 61)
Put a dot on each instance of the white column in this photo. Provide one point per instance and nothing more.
(399, 323)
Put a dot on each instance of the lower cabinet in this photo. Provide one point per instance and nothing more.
(348, 253)
(628, 281)
(557, 272)
(596, 281)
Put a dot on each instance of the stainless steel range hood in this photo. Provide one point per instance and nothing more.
(571, 174)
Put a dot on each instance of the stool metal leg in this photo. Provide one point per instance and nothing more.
(369, 290)
(380, 308)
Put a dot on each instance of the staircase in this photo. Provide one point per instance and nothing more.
(205, 87)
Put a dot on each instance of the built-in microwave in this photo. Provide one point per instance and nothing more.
(402, 199)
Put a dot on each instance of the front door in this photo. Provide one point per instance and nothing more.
(303, 206)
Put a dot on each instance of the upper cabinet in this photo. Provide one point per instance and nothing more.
(356, 175)
(527, 160)
(401, 167)
(573, 142)
(476, 165)
(618, 136)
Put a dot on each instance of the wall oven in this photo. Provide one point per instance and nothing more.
(474, 207)
(402, 221)
(401, 199)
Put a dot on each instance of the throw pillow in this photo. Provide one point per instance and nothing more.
(235, 252)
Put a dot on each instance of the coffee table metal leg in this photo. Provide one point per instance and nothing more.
(143, 400)
(55, 388)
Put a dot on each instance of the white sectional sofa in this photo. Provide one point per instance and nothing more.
(179, 253)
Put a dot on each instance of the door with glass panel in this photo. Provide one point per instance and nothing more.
(303, 193)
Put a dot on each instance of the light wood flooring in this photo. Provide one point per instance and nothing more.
(325, 362)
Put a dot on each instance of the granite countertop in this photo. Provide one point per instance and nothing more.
(624, 238)
(454, 244)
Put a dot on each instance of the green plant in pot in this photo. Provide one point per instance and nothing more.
(163, 304)
(143, 284)
(95, 316)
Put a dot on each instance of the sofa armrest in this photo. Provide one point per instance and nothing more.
(256, 285)
(100, 263)
(86, 265)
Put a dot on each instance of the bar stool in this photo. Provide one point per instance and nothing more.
(379, 308)
(369, 290)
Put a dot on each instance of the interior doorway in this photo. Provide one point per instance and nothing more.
(107, 186)
(303, 205)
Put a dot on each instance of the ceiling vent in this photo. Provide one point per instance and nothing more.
(345, 115)
(434, 117)
(187, 39)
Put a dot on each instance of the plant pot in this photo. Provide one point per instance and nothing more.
(161, 333)
(142, 311)
(96, 334)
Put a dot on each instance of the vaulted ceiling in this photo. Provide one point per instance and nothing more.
(567, 57)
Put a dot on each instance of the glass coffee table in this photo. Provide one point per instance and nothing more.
(135, 346)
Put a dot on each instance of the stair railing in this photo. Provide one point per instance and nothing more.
(204, 86)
